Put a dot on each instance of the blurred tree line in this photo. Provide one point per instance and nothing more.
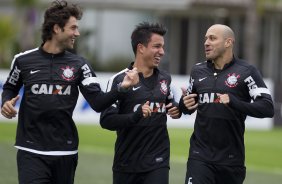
(19, 33)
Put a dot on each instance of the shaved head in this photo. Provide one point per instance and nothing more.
(219, 42)
(225, 31)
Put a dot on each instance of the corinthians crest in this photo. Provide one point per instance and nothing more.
(68, 73)
(163, 87)
(232, 80)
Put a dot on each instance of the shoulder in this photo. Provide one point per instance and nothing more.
(27, 53)
(116, 78)
(22, 58)
(244, 65)
(199, 66)
(78, 60)
(73, 56)
(164, 73)
(119, 75)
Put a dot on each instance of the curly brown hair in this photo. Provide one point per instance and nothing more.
(58, 13)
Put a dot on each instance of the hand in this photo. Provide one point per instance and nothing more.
(8, 109)
(173, 111)
(223, 98)
(147, 111)
(190, 101)
(130, 79)
(184, 91)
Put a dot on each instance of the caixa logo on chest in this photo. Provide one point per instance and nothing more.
(50, 89)
(208, 98)
(156, 106)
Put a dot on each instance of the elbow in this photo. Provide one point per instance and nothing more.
(96, 107)
(268, 112)
(106, 125)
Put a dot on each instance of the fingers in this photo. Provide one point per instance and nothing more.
(131, 78)
(8, 113)
(14, 100)
(8, 109)
(193, 106)
(184, 91)
(173, 112)
(147, 111)
(190, 101)
(5, 114)
(168, 106)
(223, 98)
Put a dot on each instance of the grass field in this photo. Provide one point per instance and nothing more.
(263, 155)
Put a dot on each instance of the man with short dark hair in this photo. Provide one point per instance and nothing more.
(47, 138)
(142, 149)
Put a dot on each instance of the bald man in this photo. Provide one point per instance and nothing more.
(223, 90)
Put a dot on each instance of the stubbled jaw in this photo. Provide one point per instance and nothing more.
(208, 51)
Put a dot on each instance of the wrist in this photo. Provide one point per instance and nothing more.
(122, 89)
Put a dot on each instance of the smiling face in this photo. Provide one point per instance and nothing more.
(65, 37)
(214, 43)
(219, 41)
(153, 52)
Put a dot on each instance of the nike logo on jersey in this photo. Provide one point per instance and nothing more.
(136, 88)
(34, 71)
(201, 79)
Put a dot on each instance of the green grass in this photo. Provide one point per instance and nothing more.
(263, 155)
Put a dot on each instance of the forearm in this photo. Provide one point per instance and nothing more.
(261, 108)
(99, 101)
(113, 121)
(183, 108)
(7, 95)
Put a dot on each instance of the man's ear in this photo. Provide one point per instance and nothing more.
(140, 48)
(229, 42)
(56, 29)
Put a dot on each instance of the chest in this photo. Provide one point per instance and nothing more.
(155, 92)
(208, 83)
(51, 71)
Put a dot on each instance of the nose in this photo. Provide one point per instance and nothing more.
(161, 51)
(77, 33)
(206, 42)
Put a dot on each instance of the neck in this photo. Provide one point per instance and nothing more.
(220, 62)
(141, 67)
(51, 47)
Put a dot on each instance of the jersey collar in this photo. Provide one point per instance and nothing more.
(210, 64)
